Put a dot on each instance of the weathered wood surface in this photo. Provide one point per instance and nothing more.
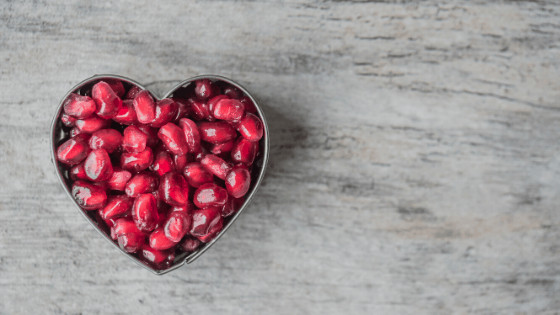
(415, 157)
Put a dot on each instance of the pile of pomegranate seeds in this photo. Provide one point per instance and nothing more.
(161, 176)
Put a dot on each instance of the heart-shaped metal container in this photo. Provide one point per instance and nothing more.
(57, 135)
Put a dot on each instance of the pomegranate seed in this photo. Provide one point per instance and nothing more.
(197, 175)
(98, 166)
(119, 179)
(213, 101)
(216, 132)
(134, 90)
(166, 110)
(173, 189)
(117, 86)
(199, 109)
(92, 124)
(126, 114)
(232, 92)
(190, 244)
(78, 172)
(155, 256)
(216, 165)
(159, 241)
(232, 206)
(116, 206)
(145, 107)
(108, 102)
(251, 128)
(72, 151)
(79, 106)
(140, 184)
(210, 195)
(203, 220)
(220, 148)
(180, 161)
(107, 139)
(173, 138)
(186, 209)
(229, 109)
(152, 135)
(203, 89)
(162, 163)
(82, 137)
(144, 212)
(213, 232)
(131, 242)
(134, 139)
(177, 226)
(137, 161)
(88, 196)
(238, 182)
(74, 132)
(183, 109)
(249, 105)
(244, 151)
(67, 120)
(192, 135)
(124, 226)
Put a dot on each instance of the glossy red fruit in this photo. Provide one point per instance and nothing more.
(152, 135)
(79, 106)
(177, 226)
(159, 241)
(166, 110)
(145, 213)
(91, 124)
(232, 206)
(108, 102)
(203, 89)
(186, 209)
(124, 226)
(173, 138)
(98, 166)
(216, 132)
(210, 195)
(137, 161)
(126, 114)
(119, 179)
(233, 92)
(117, 86)
(134, 140)
(156, 257)
(249, 105)
(134, 90)
(197, 175)
(162, 163)
(216, 165)
(72, 151)
(140, 184)
(190, 244)
(180, 161)
(199, 109)
(204, 220)
(78, 172)
(88, 196)
(220, 148)
(192, 135)
(214, 100)
(173, 189)
(117, 206)
(213, 232)
(244, 151)
(67, 120)
(131, 243)
(183, 109)
(107, 139)
(238, 182)
(145, 107)
(251, 128)
(229, 109)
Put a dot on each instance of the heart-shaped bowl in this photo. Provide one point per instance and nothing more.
(59, 132)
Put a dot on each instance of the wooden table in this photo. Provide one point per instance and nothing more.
(415, 159)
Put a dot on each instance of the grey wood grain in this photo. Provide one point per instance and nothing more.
(415, 156)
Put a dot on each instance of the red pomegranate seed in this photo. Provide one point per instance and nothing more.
(126, 114)
(72, 151)
(186, 209)
(220, 148)
(173, 189)
(203, 89)
(116, 206)
(166, 110)
(233, 92)
(177, 226)
(108, 102)
(244, 151)
(145, 107)
(249, 105)
(216, 132)
(213, 232)
(192, 135)
(190, 244)
(67, 120)
(88, 196)
(197, 175)
(229, 109)
(79, 106)
(173, 138)
(137, 161)
(238, 182)
(199, 109)
(152, 135)
(124, 226)
(134, 140)
(140, 184)
(145, 213)
(162, 163)
(251, 128)
(131, 242)
(214, 100)
(117, 86)
(78, 172)
(210, 195)
(92, 124)
(232, 206)
(216, 165)
(74, 132)
(119, 179)
(203, 220)
(155, 256)
(183, 109)
(134, 90)
(159, 241)
(98, 166)
(180, 161)
(107, 139)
